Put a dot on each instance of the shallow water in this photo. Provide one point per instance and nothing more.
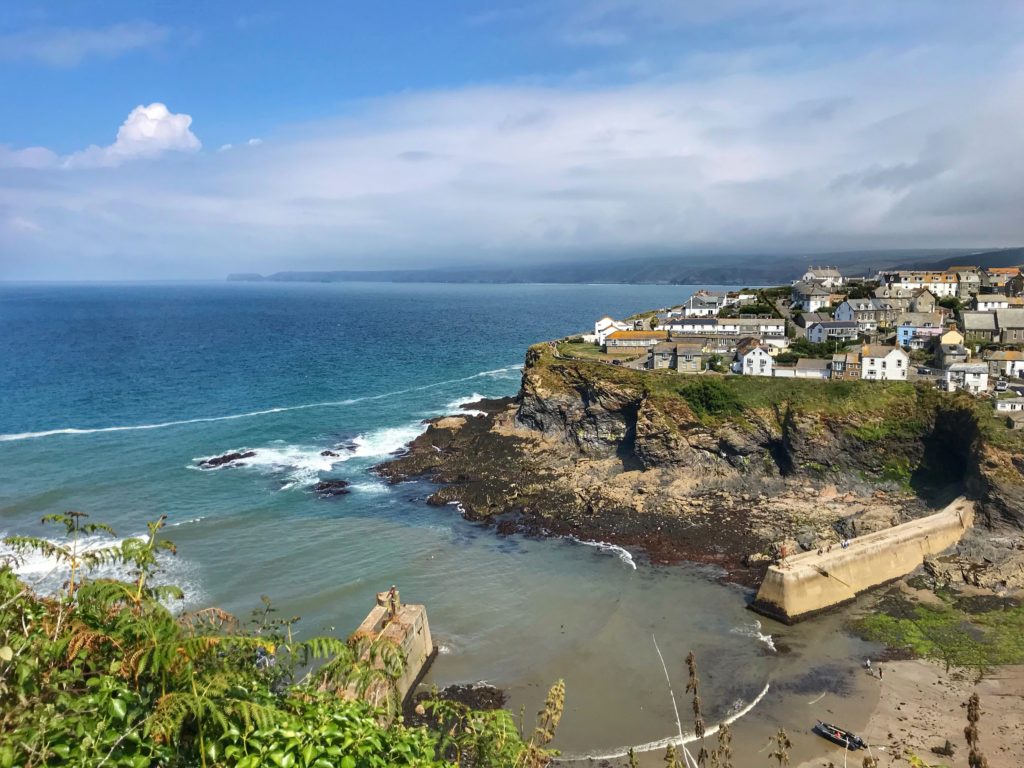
(109, 395)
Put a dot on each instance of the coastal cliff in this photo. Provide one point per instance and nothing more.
(728, 470)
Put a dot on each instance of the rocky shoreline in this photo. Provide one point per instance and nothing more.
(597, 454)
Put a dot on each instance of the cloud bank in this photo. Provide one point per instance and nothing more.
(899, 146)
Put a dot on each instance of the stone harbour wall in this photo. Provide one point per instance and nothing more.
(809, 583)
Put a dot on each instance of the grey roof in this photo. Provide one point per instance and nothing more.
(850, 324)
(810, 289)
(934, 319)
(967, 367)
(812, 364)
(1013, 317)
(979, 321)
(751, 321)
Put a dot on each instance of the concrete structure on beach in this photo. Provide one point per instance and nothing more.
(812, 582)
(407, 628)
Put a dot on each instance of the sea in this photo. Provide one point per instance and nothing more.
(112, 394)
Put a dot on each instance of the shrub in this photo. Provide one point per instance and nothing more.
(711, 397)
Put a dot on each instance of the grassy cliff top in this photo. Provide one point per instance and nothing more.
(882, 407)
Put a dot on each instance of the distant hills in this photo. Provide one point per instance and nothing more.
(752, 269)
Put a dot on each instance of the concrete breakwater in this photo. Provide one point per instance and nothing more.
(811, 582)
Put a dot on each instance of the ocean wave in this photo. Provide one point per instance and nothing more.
(754, 630)
(370, 487)
(301, 465)
(456, 405)
(190, 521)
(613, 549)
(385, 441)
(16, 436)
(46, 574)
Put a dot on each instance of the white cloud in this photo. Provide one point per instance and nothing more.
(896, 146)
(69, 46)
(147, 132)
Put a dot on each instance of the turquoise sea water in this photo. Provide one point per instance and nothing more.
(109, 394)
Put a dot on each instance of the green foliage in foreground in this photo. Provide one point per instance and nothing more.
(104, 674)
(945, 633)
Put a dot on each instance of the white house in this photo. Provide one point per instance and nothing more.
(970, 377)
(755, 360)
(1005, 363)
(881, 363)
(810, 368)
(810, 297)
(987, 302)
(833, 330)
(703, 304)
(830, 277)
(1010, 404)
(606, 326)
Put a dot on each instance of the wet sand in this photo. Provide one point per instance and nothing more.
(920, 706)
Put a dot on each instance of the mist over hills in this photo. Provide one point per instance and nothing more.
(752, 269)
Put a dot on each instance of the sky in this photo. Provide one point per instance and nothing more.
(187, 139)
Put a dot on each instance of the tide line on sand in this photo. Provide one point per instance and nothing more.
(652, 746)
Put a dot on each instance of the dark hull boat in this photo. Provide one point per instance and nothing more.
(840, 736)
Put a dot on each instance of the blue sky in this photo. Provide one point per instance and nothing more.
(191, 139)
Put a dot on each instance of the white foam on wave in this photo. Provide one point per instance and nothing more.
(385, 441)
(613, 549)
(754, 630)
(455, 406)
(372, 488)
(499, 373)
(300, 464)
(15, 436)
(47, 575)
(190, 521)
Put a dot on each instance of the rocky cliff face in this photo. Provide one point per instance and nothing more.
(606, 454)
(928, 441)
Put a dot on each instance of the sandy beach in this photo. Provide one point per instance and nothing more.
(921, 705)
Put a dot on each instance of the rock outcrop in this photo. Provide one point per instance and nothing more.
(633, 458)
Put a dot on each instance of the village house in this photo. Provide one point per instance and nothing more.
(969, 280)
(1005, 362)
(846, 366)
(869, 314)
(939, 283)
(633, 340)
(1009, 403)
(948, 354)
(683, 358)
(970, 377)
(833, 330)
(979, 327)
(805, 320)
(810, 297)
(829, 277)
(753, 359)
(713, 344)
(766, 327)
(916, 329)
(883, 363)
(923, 300)
(1014, 286)
(950, 336)
(606, 326)
(994, 279)
(894, 291)
(989, 302)
(703, 304)
(1010, 322)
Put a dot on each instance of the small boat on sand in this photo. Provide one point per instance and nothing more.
(840, 736)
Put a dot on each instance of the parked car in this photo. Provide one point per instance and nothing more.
(1001, 385)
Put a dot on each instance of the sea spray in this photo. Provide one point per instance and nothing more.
(603, 546)
(754, 630)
